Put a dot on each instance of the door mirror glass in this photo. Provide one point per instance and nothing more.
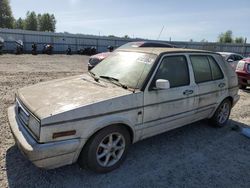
(230, 60)
(162, 84)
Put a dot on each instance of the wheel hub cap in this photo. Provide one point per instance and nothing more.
(110, 149)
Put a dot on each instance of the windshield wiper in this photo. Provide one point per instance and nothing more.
(114, 81)
(93, 75)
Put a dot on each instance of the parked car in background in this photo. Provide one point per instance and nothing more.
(95, 59)
(19, 47)
(135, 93)
(243, 72)
(1, 44)
(47, 49)
(231, 58)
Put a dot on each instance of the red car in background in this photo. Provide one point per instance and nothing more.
(243, 72)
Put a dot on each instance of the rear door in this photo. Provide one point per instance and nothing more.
(211, 82)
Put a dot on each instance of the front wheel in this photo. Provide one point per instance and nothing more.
(222, 113)
(106, 150)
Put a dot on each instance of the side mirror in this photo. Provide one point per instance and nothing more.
(162, 84)
(230, 60)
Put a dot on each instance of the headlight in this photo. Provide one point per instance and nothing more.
(34, 125)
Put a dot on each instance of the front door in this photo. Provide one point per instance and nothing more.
(169, 108)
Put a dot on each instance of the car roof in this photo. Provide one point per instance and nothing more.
(148, 44)
(228, 53)
(159, 51)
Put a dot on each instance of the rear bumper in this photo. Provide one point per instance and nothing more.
(47, 155)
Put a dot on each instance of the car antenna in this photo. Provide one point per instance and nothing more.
(145, 63)
(160, 33)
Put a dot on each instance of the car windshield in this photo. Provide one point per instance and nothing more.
(128, 68)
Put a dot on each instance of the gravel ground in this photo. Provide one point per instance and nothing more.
(196, 155)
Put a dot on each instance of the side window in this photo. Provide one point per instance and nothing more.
(216, 71)
(237, 57)
(201, 67)
(232, 57)
(175, 70)
(205, 68)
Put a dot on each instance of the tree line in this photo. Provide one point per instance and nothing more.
(32, 21)
(227, 37)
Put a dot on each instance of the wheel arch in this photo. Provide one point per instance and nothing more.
(230, 98)
(129, 128)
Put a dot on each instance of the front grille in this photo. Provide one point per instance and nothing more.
(23, 115)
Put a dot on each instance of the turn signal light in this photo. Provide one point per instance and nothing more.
(64, 133)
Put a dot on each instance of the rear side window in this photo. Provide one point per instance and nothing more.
(202, 71)
(175, 70)
(205, 68)
(216, 71)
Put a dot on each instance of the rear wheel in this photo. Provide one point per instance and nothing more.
(222, 113)
(106, 150)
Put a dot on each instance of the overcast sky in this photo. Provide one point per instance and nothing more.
(182, 20)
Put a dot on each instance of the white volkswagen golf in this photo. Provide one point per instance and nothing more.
(131, 95)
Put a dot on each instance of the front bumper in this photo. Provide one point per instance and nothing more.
(44, 155)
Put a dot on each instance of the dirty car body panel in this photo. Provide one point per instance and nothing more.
(53, 121)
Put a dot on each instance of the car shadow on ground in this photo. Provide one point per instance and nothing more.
(195, 155)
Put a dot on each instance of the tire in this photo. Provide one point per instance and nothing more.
(242, 86)
(106, 150)
(222, 113)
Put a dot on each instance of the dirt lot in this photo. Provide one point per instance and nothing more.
(196, 155)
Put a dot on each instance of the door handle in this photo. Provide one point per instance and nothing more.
(188, 92)
(221, 85)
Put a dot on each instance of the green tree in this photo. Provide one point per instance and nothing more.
(204, 40)
(47, 22)
(126, 37)
(239, 40)
(111, 36)
(226, 37)
(38, 21)
(6, 18)
(31, 21)
(19, 23)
